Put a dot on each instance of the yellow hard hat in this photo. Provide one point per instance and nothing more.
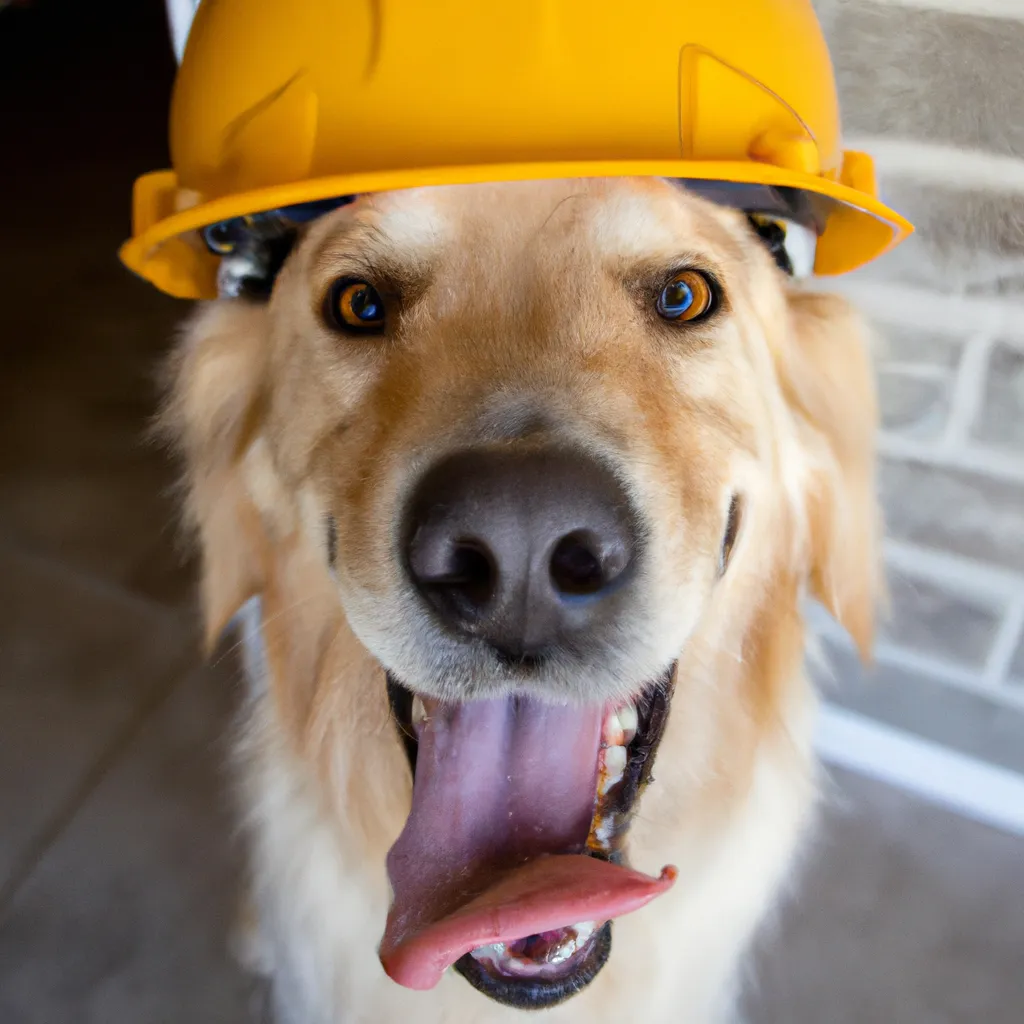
(281, 104)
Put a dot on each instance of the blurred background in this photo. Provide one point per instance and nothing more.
(118, 861)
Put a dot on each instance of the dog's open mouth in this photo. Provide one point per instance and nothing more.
(509, 866)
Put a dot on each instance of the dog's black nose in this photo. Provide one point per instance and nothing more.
(521, 549)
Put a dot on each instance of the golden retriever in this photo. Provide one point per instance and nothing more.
(521, 488)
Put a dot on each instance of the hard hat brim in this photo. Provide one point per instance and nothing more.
(165, 250)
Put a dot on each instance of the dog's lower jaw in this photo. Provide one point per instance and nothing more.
(323, 898)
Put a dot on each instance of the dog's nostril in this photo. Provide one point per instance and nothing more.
(516, 551)
(472, 571)
(463, 574)
(580, 567)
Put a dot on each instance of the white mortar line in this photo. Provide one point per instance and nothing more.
(972, 788)
(1004, 647)
(967, 393)
(918, 371)
(935, 163)
(952, 676)
(986, 461)
(930, 310)
(989, 270)
(895, 314)
(943, 672)
(955, 572)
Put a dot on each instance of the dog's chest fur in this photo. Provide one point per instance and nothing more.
(320, 907)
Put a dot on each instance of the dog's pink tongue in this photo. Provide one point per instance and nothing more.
(500, 784)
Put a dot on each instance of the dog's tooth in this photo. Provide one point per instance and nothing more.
(630, 722)
(492, 953)
(419, 711)
(615, 761)
(611, 732)
(612, 768)
(562, 953)
(605, 831)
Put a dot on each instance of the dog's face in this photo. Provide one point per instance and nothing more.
(522, 363)
(566, 455)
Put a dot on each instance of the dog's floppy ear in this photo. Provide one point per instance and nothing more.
(212, 415)
(258, 536)
(827, 376)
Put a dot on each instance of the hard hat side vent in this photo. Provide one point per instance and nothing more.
(714, 96)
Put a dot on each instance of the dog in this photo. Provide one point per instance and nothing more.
(519, 490)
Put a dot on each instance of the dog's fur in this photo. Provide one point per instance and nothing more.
(527, 306)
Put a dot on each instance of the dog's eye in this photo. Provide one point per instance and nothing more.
(687, 297)
(355, 306)
(223, 238)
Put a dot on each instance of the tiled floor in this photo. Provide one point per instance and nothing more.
(905, 914)
(117, 863)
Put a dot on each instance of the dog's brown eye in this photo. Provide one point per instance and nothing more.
(687, 297)
(355, 306)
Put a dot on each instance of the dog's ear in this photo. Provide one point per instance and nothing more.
(828, 380)
(258, 536)
(216, 380)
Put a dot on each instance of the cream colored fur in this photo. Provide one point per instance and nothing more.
(532, 293)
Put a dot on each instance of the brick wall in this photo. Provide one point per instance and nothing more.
(935, 90)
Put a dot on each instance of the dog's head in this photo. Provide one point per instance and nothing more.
(563, 459)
